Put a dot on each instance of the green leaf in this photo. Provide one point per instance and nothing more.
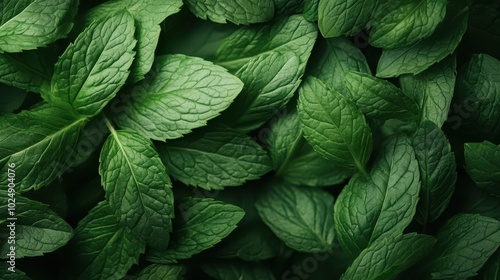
(432, 89)
(159, 271)
(333, 126)
(12, 275)
(201, 224)
(338, 56)
(270, 81)
(438, 172)
(311, 10)
(214, 159)
(369, 209)
(295, 160)
(478, 89)
(91, 71)
(340, 17)
(405, 23)
(291, 34)
(30, 24)
(38, 142)
(377, 98)
(102, 248)
(246, 12)
(38, 230)
(482, 162)
(491, 270)
(301, 217)
(16, 71)
(148, 14)
(284, 8)
(250, 242)
(180, 93)
(238, 270)
(418, 57)
(137, 186)
(464, 244)
(387, 257)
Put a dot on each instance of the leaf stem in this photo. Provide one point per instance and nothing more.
(109, 125)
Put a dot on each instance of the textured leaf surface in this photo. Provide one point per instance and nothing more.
(438, 172)
(137, 186)
(383, 205)
(311, 10)
(270, 81)
(478, 89)
(338, 57)
(148, 14)
(418, 57)
(102, 248)
(378, 98)
(38, 230)
(301, 217)
(291, 34)
(30, 24)
(333, 126)
(387, 257)
(433, 90)
(239, 12)
(181, 93)
(91, 71)
(201, 224)
(158, 271)
(39, 142)
(295, 160)
(464, 244)
(16, 71)
(214, 159)
(405, 23)
(482, 162)
(341, 17)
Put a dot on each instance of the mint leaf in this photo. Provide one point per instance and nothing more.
(464, 244)
(269, 83)
(482, 162)
(291, 34)
(91, 71)
(246, 12)
(389, 256)
(338, 57)
(432, 89)
(288, 7)
(201, 224)
(377, 98)
(339, 17)
(478, 88)
(295, 160)
(491, 269)
(181, 93)
(37, 142)
(250, 242)
(382, 205)
(16, 275)
(238, 270)
(38, 229)
(30, 24)
(214, 159)
(311, 10)
(102, 248)
(406, 23)
(301, 217)
(16, 71)
(418, 57)
(137, 186)
(147, 15)
(158, 271)
(333, 126)
(438, 172)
